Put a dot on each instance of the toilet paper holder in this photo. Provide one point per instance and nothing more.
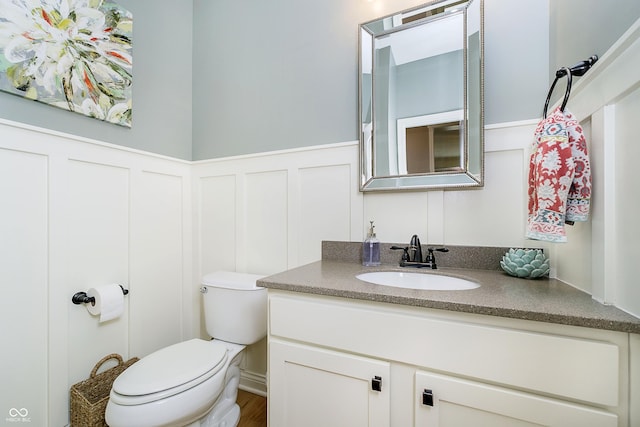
(83, 298)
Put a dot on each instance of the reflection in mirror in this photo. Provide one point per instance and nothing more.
(431, 143)
(420, 72)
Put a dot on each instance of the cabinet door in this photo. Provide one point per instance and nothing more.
(311, 387)
(458, 402)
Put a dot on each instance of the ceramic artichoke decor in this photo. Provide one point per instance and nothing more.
(526, 263)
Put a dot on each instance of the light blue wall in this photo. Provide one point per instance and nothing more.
(516, 59)
(271, 75)
(440, 92)
(283, 74)
(223, 78)
(581, 28)
(162, 37)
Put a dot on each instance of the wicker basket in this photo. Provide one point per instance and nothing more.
(89, 397)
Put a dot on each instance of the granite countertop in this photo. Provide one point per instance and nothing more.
(544, 300)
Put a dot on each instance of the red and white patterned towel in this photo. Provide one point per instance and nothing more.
(559, 178)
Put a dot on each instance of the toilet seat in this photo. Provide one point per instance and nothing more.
(169, 371)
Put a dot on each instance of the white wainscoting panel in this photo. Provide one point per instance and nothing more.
(157, 261)
(324, 209)
(24, 283)
(603, 203)
(217, 223)
(77, 214)
(496, 214)
(268, 212)
(398, 216)
(264, 217)
(97, 249)
(627, 291)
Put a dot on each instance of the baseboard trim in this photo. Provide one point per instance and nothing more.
(253, 383)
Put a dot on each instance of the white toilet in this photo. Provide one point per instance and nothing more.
(195, 382)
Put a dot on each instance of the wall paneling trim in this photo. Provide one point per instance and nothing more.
(77, 214)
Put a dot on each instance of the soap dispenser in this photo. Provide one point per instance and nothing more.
(371, 248)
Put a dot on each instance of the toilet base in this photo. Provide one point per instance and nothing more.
(229, 419)
(226, 412)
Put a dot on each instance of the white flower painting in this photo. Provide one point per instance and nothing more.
(73, 54)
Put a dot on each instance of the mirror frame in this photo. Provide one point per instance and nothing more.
(472, 174)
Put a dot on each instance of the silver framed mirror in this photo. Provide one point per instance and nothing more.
(421, 95)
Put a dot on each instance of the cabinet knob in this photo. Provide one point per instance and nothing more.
(376, 383)
(427, 397)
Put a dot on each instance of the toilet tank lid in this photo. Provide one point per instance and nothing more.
(232, 280)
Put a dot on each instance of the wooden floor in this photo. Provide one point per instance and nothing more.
(253, 410)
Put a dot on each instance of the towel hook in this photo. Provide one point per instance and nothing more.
(567, 72)
(578, 69)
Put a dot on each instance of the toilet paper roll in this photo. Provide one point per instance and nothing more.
(109, 301)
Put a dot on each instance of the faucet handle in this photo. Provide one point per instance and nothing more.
(443, 249)
(431, 259)
(405, 254)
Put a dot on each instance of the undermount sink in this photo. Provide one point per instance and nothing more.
(425, 281)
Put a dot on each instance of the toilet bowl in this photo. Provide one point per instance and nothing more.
(195, 382)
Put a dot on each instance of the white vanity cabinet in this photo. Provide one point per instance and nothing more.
(326, 352)
(319, 387)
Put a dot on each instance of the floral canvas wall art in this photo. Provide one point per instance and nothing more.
(73, 54)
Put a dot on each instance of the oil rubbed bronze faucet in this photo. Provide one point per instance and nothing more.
(412, 254)
(415, 249)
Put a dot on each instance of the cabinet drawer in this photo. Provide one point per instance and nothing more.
(456, 402)
(575, 368)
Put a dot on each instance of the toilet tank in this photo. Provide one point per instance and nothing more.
(235, 309)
